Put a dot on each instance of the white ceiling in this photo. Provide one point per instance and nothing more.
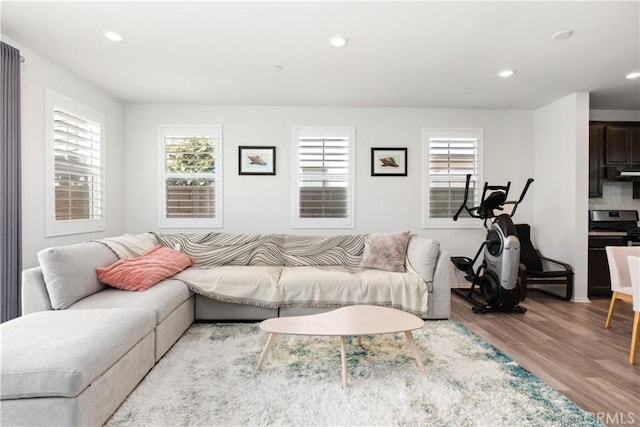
(400, 54)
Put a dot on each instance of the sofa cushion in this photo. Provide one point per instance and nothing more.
(234, 283)
(162, 299)
(338, 286)
(386, 251)
(140, 273)
(60, 353)
(422, 255)
(70, 271)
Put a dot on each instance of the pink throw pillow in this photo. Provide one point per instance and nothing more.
(140, 273)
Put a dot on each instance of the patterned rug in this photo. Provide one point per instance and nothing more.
(208, 378)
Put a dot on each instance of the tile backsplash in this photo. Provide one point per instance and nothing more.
(615, 195)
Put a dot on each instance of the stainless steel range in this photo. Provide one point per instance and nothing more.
(618, 221)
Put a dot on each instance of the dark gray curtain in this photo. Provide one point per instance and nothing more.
(10, 221)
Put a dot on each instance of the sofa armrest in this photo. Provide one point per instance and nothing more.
(34, 291)
(441, 294)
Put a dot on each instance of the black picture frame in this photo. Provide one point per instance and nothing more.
(388, 161)
(256, 160)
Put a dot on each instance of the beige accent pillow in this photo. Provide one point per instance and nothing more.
(422, 256)
(386, 251)
(131, 245)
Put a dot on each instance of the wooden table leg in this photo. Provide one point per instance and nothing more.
(265, 351)
(414, 349)
(343, 355)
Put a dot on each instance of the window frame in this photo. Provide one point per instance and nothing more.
(53, 226)
(323, 131)
(216, 131)
(427, 134)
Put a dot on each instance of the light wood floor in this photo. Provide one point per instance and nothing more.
(566, 346)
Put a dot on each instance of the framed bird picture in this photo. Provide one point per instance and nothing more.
(256, 160)
(388, 161)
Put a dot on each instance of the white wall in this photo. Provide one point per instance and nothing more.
(561, 173)
(37, 74)
(262, 204)
(615, 115)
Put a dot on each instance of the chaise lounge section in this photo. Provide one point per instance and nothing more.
(73, 367)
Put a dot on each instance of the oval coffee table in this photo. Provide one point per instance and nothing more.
(354, 320)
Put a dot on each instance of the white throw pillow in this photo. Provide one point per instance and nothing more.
(422, 255)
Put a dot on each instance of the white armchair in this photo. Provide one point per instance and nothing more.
(634, 273)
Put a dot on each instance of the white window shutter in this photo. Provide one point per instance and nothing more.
(191, 176)
(78, 167)
(324, 177)
(449, 156)
(75, 167)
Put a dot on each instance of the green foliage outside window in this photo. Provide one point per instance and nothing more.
(190, 156)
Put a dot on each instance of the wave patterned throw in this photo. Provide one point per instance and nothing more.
(216, 249)
(323, 250)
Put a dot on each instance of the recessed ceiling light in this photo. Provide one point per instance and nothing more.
(338, 41)
(113, 36)
(562, 35)
(634, 75)
(506, 73)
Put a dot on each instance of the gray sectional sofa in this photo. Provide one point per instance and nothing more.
(81, 347)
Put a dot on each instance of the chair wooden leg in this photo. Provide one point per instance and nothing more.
(569, 292)
(611, 306)
(635, 337)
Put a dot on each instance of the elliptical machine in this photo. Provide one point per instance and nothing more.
(497, 275)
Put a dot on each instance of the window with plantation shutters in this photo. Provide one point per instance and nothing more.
(75, 167)
(323, 193)
(190, 159)
(449, 155)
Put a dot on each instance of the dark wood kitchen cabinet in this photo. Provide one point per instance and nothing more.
(598, 272)
(596, 153)
(613, 147)
(635, 145)
(622, 145)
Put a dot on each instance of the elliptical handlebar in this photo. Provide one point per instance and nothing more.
(480, 211)
(524, 191)
(464, 202)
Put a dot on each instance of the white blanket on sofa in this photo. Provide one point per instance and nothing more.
(309, 286)
(261, 281)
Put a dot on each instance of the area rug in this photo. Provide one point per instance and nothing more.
(208, 379)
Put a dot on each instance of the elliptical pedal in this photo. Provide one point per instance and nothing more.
(487, 308)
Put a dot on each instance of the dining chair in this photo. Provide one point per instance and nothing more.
(634, 274)
(619, 273)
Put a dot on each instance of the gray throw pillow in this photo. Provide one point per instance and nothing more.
(386, 251)
(70, 271)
